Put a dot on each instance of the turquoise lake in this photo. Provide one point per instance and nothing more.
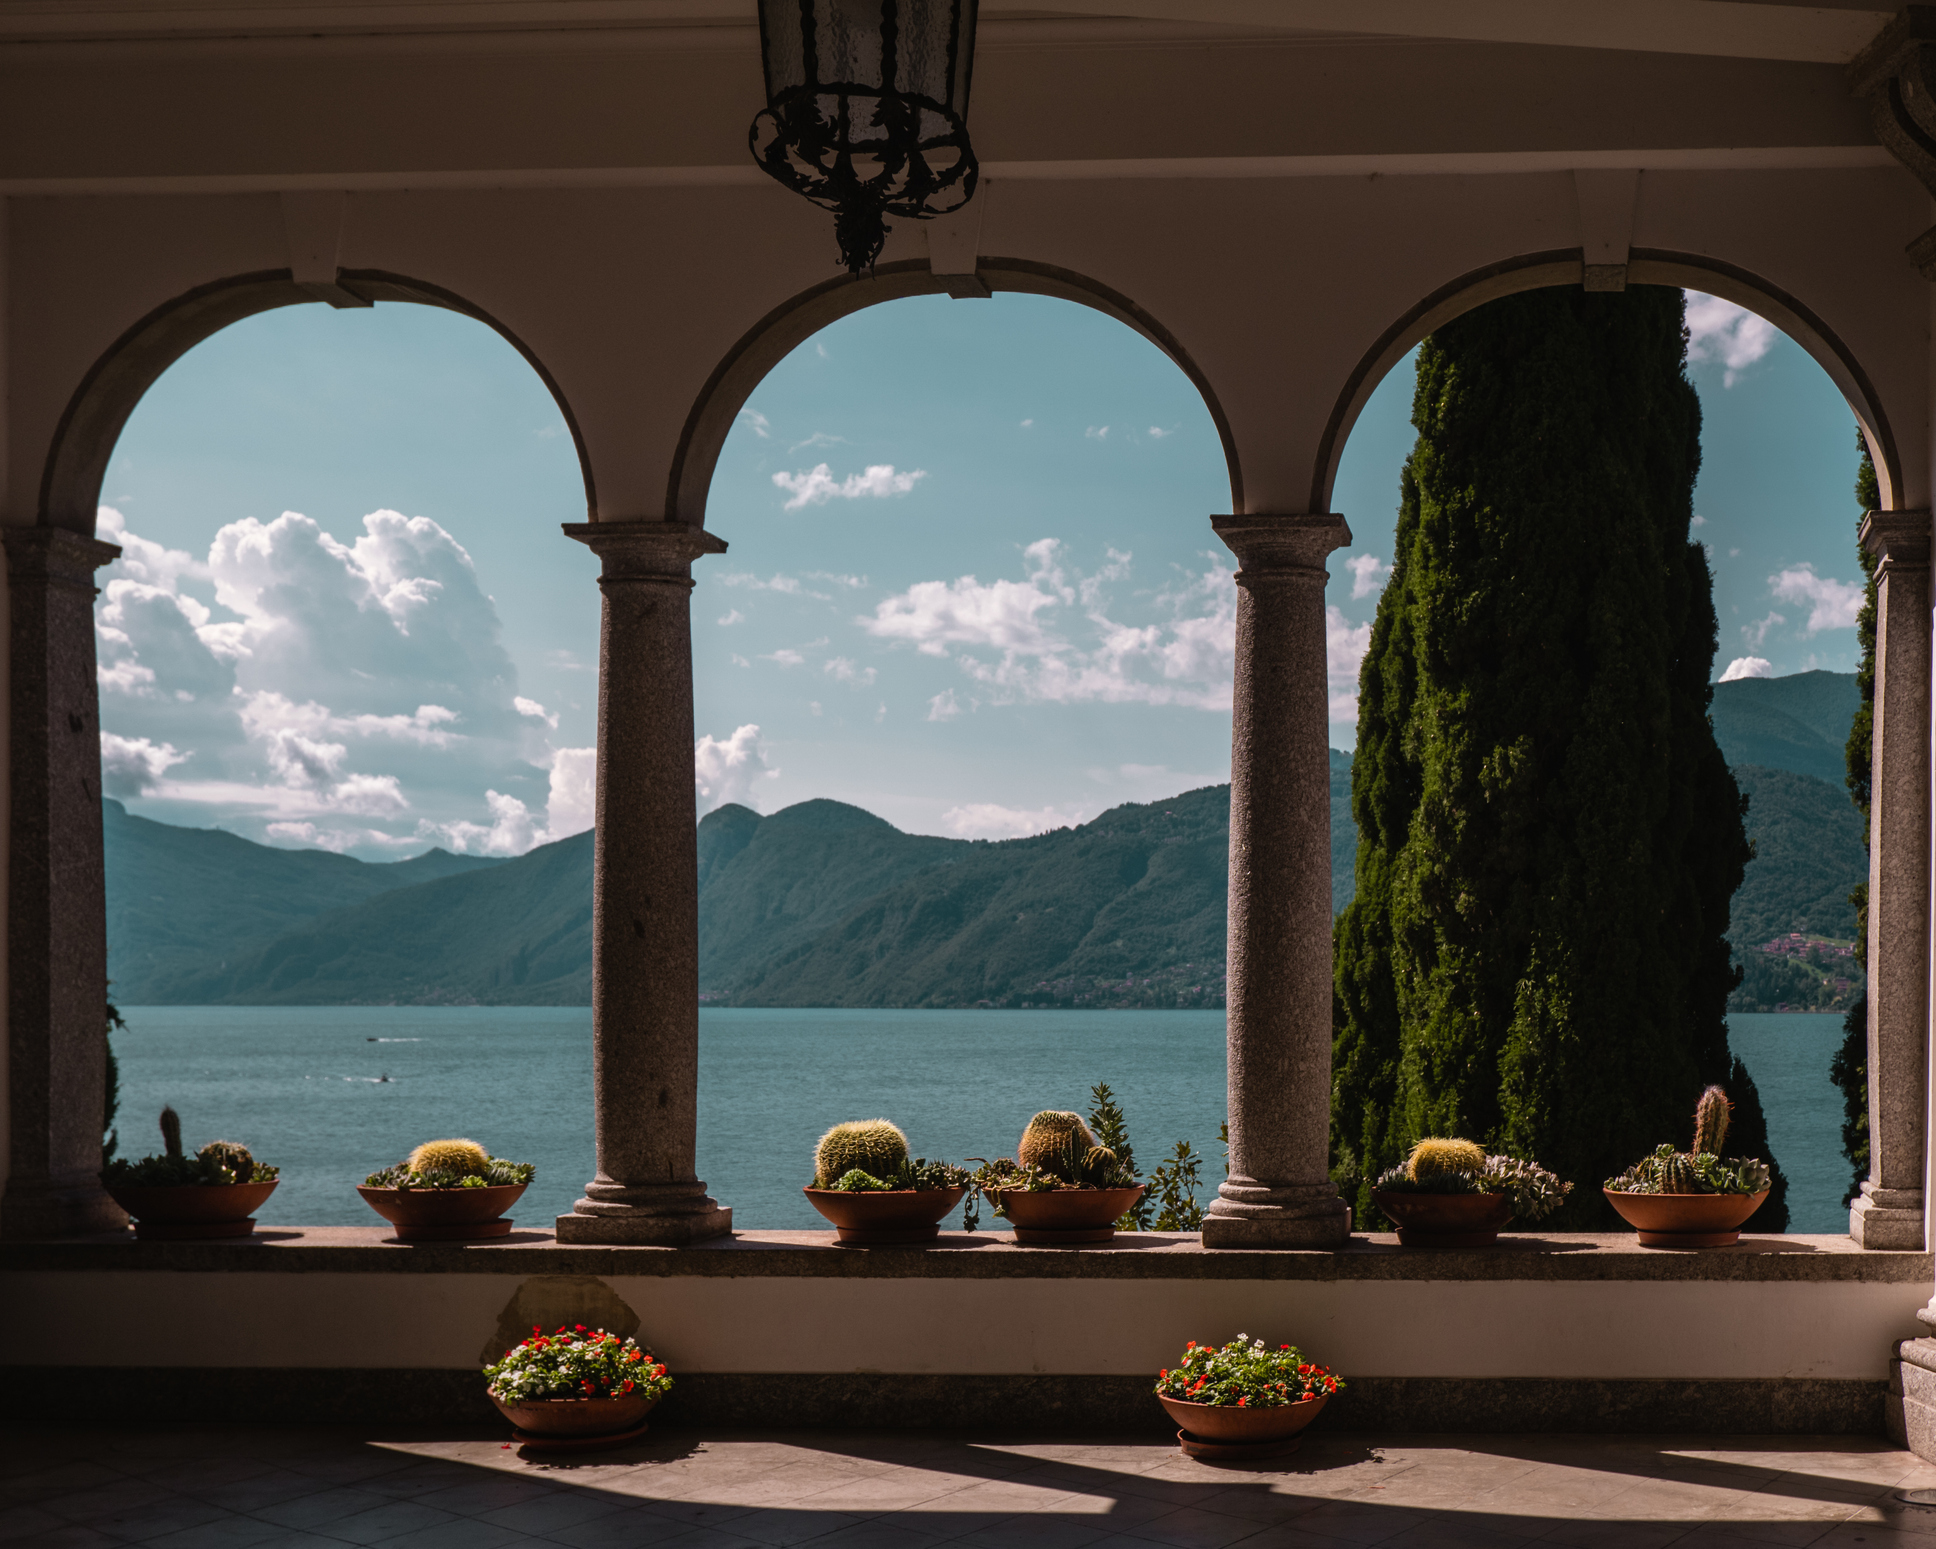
(331, 1093)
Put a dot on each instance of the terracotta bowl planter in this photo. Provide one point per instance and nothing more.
(445, 1215)
(192, 1212)
(1223, 1432)
(1059, 1217)
(575, 1424)
(1686, 1220)
(1445, 1220)
(885, 1216)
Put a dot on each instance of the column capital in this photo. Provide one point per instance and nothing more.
(55, 554)
(645, 551)
(1898, 539)
(1895, 77)
(1290, 541)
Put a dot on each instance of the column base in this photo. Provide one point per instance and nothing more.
(1262, 1227)
(1887, 1218)
(1909, 1410)
(29, 1211)
(652, 1228)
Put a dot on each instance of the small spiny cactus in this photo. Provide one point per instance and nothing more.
(1677, 1175)
(1434, 1158)
(1055, 1141)
(466, 1158)
(1711, 1115)
(232, 1156)
(171, 1133)
(873, 1146)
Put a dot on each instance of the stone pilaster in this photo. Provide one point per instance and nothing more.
(1895, 77)
(1889, 1213)
(1279, 1193)
(57, 951)
(645, 897)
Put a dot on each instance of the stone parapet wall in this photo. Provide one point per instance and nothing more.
(1569, 1332)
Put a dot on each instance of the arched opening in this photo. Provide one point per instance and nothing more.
(973, 603)
(1775, 508)
(344, 657)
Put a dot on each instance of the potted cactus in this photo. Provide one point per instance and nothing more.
(448, 1191)
(576, 1390)
(1062, 1188)
(866, 1184)
(1244, 1400)
(175, 1197)
(1692, 1199)
(1450, 1194)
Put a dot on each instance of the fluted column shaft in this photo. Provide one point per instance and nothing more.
(57, 951)
(1889, 1213)
(1279, 1193)
(645, 897)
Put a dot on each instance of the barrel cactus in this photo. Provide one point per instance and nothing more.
(873, 1146)
(1055, 1141)
(1435, 1158)
(465, 1158)
(1677, 1174)
(231, 1158)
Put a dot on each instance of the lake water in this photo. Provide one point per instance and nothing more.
(332, 1093)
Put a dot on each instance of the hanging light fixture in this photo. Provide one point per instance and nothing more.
(866, 111)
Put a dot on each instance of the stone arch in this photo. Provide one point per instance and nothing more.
(84, 440)
(795, 321)
(1645, 266)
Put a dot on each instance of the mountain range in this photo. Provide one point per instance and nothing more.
(824, 904)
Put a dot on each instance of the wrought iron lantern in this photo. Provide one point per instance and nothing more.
(866, 111)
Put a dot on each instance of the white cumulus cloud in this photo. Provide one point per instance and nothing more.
(1832, 604)
(131, 765)
(988, 820)
(1368, 573)
(726, 770)
(1721, 333)
(1345, 645)
(1748, 667)
(817, 485)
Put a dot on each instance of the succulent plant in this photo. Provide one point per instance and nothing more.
(1056, 1141)
(231, 1157)
(463, 1157)
(1711, 1115)
(873, 1146)
(1434, 1158)
(171, 1133)
(855, 1181)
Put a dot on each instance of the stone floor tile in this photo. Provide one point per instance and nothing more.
(876, 1496)
(223, 1533)
(1192, 1527)
(23, 1521)
(310, 1513)
(1260, 1501)
(1871, 1535)
(702, 1510)
(876, 1535)
(1725, 1534)
(418, 1479)
(349, 1467)
(1589, 1533)
(393, 1519)
(153, 1518)
(70, 1535)
(265, 1489)
(1360, 1521)
(627, 1528)
(1453, 1531)
(556, 1509)
(62, 1479)
(1037, 1530)
(782, 1526)
(110, 1498)
(710, 1538)
(197, 1476)
(461, 1533)
(474, 1496)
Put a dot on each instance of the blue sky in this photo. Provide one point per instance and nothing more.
(971, 586)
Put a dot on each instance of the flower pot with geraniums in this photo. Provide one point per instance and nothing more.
(448, 1191)
(1062, 1189)
(175, 1197)
(875, 1195)
(576, 1389)
(1450, 1194)
(1244, 1400)
(1692, 1199)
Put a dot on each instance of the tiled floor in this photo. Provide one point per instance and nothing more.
(201, 1487)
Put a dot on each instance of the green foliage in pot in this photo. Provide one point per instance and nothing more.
(576, 1362)
(919, 1174)
(1703, 1170)
(218, 1162)
(873, 1146)
(1245, 1374)
(1439, 1166)
(451, 1164)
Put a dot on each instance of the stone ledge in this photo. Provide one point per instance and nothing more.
(986, 1256)
(1033, 1403)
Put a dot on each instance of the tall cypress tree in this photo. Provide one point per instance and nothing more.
(1548, 833)
(1849, 1070)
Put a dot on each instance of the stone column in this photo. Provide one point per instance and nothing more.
(1889, 1213)
(57, 948)
(645, 897)
(1279, 1193)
